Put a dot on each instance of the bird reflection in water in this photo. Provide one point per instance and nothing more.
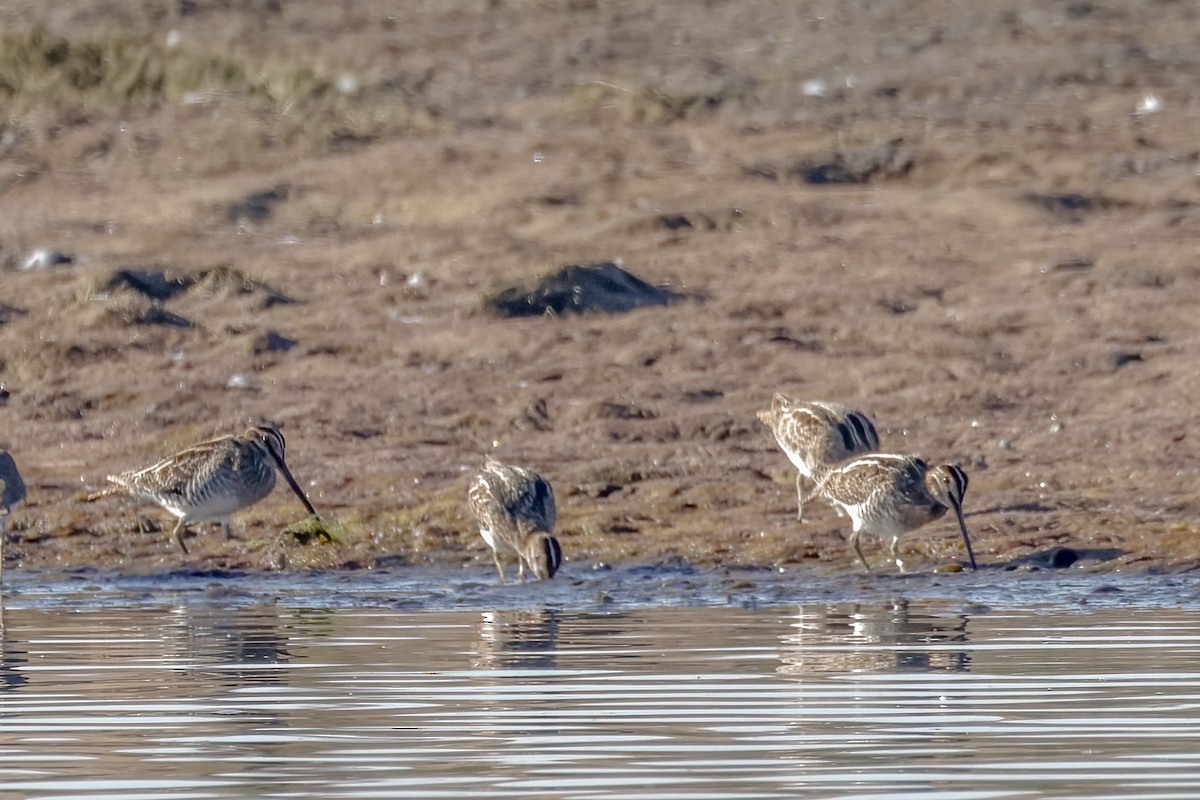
(856, 638)
(517, 639)
(235, 646)
(13, 658)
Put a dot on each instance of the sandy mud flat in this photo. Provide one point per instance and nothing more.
(975, 222)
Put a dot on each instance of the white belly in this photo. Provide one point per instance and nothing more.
(494, 542)
(855, 512)
(217, 506)
(879, 524)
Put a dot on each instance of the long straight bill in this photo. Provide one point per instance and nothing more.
(300, 493)
(962, 524)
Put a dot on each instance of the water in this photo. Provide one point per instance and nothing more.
(203, 686)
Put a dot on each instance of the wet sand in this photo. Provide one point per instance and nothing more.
(1010, 283)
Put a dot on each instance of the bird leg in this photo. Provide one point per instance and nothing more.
(895, 555)
(3, 532)
(858, 550)
(499, 566)
(800, 497)
(178, 533)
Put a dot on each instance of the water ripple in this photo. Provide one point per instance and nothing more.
(870, 699)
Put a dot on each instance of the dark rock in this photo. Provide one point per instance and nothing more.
(135, 311)
(565, 199)
(832, 172)
(155, 285)
(1027, 508)
(1121, 359)
(606, 410)
(258, 207)
(7, 312)
(995, 402)
(1061, 558)
(896, 305)
(783, 335)
(579, 289)
(1070, 264)
(1072, 207)
(157, 315)
(702, 395)
(1063, 202)
(272, 342)
(892, 160)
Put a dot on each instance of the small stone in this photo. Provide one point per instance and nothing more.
(258, 207)
(239, 380)
(1121, 359)
(45, 258)
(272, 342)
(1070, 264)
(1149, 104)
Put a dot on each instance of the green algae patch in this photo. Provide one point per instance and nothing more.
(315, 529)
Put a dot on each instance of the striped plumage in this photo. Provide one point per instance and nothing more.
(889, 495)
(211, 480)
(815, 435)
(515, 510)
(12, 491)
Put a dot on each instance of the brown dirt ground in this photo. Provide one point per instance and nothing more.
(1013, 288)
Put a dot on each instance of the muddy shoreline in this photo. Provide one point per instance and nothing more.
(970, 223)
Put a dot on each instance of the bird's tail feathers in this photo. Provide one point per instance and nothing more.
(107, 491)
